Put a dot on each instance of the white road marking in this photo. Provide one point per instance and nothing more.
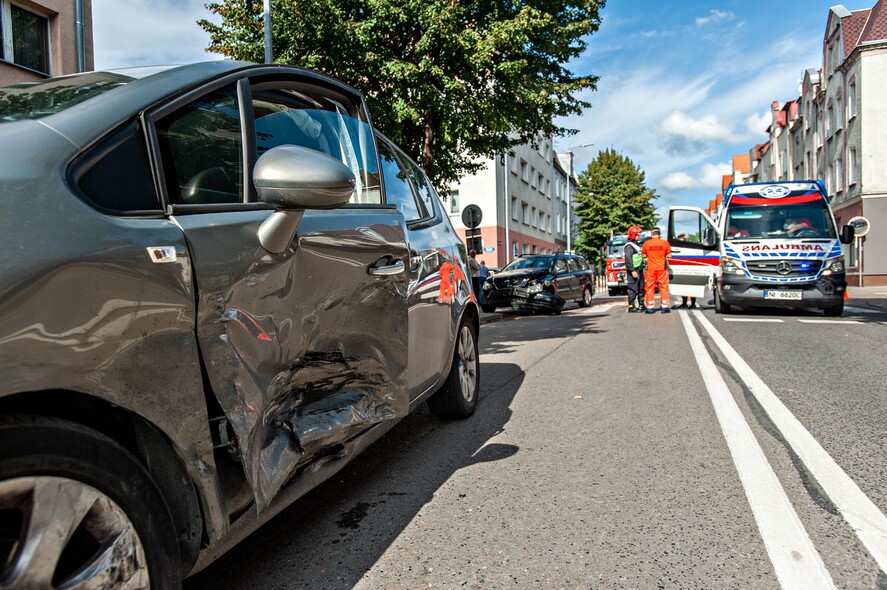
(795, 559)
(762, 320)
(830, 321)
(601, 308)
(863, 516)
(856, 310)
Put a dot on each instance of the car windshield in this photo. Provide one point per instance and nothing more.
(34, 100)
(803, 220)
(529, 262)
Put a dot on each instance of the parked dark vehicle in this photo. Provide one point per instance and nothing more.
(540, 282)
(219, 286)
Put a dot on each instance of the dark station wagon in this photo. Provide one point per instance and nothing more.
(539, 283)
(219, 285)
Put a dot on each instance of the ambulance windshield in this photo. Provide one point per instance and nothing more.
(778, 220)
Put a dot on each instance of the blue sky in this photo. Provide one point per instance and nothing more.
(683, 86)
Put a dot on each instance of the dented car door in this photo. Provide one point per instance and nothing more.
(306, 348)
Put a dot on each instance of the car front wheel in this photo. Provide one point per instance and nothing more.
(458, 396)
(585, 301)
(79, 511)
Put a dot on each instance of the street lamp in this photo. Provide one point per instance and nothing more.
(569, 152)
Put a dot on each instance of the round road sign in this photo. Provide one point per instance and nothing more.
(861, 225)
(471, 216)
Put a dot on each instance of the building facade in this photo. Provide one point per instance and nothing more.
(523, 201)
(836, 131)
(42, 38)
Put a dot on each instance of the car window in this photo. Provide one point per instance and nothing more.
(573, 265)
(290, 114)
(398, 191)
(426, 191)
(201, 150)
(116, 175)
(560, 265)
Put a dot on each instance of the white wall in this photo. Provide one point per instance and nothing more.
(873, 119)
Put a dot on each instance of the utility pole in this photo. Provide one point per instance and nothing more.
(507, 214)
(268, 58)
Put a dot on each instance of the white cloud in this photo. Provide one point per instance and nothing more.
(708, 128)
(713, 17)
(137, 33)
(709, 176)
(756, 124)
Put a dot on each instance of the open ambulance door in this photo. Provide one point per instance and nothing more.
(695, 246)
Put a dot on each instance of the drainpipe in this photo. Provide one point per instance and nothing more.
(78, 34)
(507, 214)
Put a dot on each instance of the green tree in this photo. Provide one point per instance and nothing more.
(611, 197)
(447, 80)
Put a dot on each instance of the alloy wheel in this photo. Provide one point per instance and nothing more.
(467, 355)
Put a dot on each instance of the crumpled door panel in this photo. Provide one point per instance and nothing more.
(305, 349)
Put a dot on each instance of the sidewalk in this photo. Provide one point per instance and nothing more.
(873, 297)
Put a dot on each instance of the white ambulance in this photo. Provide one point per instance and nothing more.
(772, 244)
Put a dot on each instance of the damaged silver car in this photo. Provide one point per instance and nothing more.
(219, 285)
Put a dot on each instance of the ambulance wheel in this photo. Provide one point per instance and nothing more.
(611, 292)
(720, 305)
(487, 308)
(585, 301)
(835, 311)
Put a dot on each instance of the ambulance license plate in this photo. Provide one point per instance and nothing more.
(782, 294)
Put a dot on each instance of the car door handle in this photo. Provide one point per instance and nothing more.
(388, 270)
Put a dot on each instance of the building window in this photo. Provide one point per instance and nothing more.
(524, 171)
(533, 218)
(829, 121)
(454, 201)
(25, 37)
(830, 179)
(525, 213)
(514, 212)
(839, 175)
(851, 99)
(851, 166)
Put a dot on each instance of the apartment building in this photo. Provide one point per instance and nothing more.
(42, 38)
(836, 131)
(523, 201)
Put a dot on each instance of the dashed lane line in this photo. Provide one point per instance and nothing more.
(797, 563)
(830, 321)
(757, 320)
(863, 516)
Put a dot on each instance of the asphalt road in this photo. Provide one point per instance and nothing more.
(615, 450)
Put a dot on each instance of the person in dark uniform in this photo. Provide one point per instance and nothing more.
(634, 271)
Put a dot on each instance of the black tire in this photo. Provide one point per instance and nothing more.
(45, 463)
(488, 308)
(585, 300)
(720, 305)
(834, 311)
(457, 398)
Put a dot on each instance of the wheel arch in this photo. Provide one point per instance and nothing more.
(153, 449)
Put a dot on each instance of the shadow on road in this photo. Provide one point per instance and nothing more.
(523, 328)
(331, 537)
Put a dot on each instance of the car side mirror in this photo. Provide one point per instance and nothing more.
(848, 232)
(292, 179)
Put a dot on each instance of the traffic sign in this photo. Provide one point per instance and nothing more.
(471, 216)
(489, 249)
(860, 225)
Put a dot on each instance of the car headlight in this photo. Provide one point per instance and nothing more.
(487, 286)
(618, 265)
(534, 287)
(732, 265)
(834, 265)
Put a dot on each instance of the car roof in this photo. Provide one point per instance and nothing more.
(145, 87)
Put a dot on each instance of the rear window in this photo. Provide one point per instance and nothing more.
(35, 100)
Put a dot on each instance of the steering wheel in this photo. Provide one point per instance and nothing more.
(806, 233)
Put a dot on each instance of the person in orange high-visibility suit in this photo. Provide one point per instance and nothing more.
(657, 251)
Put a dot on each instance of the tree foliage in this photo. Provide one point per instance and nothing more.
(447, 80)
(611, 197)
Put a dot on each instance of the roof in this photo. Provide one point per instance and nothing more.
(851, 28)
(876, 25)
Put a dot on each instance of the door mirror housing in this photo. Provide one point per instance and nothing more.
(848, 232)
(292, 179)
